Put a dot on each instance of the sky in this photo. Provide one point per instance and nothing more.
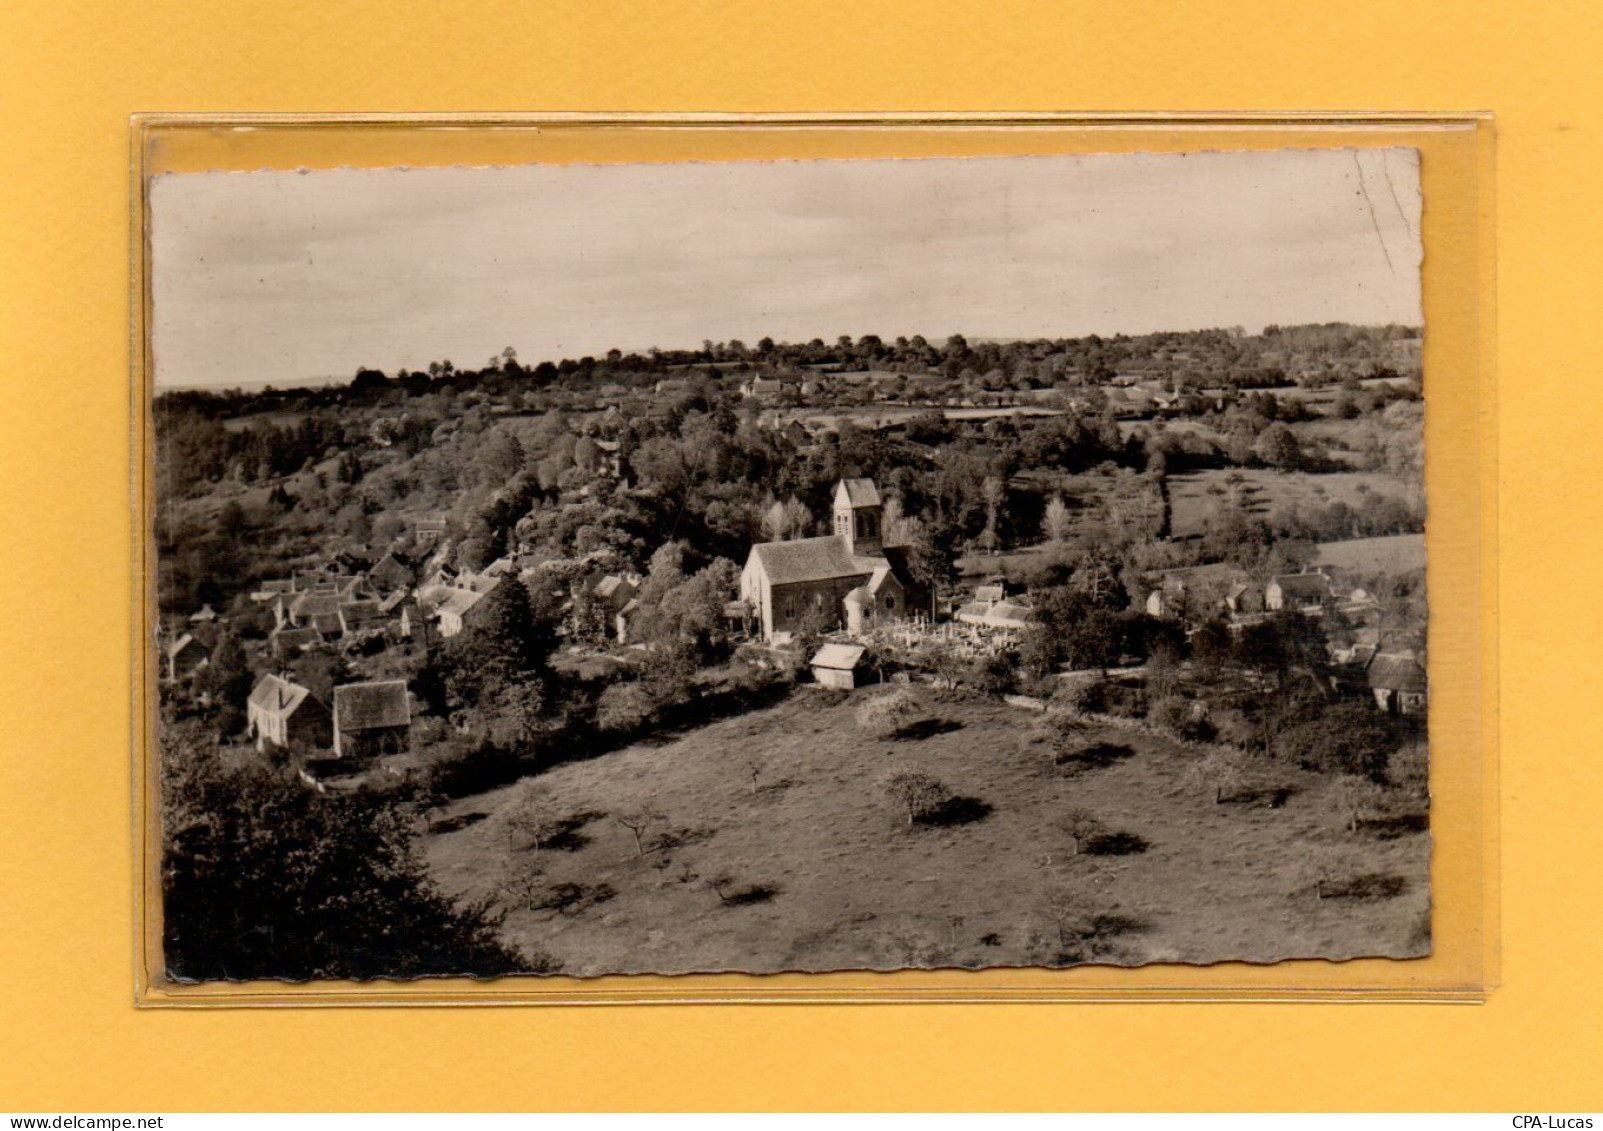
(301, 277)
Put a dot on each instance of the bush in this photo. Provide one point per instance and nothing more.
(1080, 696)
(1058, 727)
(1181, 718)
(1408, 769)
(460, 767)
(885, 715)
(1353, 738)
(1123, 702)
(625, 707)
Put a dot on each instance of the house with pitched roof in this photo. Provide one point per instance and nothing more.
(455, 604)
(391, 572)
(362, 615)
(287, 714)
(616, 590)
(761, 388)
(1398, 682)
(849, 579)
(182, 656)
(319, 610)
(372, 719)
(287, 640)
(1306, 591)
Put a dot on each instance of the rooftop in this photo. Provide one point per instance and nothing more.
(858, 492)
(278, 695)
(371, 706)
(839, 657)
(813, 559)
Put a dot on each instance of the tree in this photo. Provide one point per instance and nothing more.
(797, 518)
(228, 681)
(919, 795)
(265, 879)
(776, 522)
(639, 822)
(1080, 825)
(503, 642)
(1218, 773)
(1056, 523)
(932, 557)
(1355, 795)
(1278, 447)
(531, 818)
(1163, 672)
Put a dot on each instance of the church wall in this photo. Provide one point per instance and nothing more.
(790, 602)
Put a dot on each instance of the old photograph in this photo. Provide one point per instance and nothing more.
(790, 566)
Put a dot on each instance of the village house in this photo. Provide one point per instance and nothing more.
(391, 572)
(361, 616)
(761, 388)
(287, 640)
(1244, 598)
(183, 656)
(206, 615)
(1398, 682)
(319, 610)
(849, 578)
(1168, 599)
(287, 714)
(1302, 591)
(429, 530)
(615, 591)
(454, 609)
(624, 619)
(272, 590)
(609, 458)
(352, 560)
(372, 719)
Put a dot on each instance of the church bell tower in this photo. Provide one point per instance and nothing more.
(859, 516)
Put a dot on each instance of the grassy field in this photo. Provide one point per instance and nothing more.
(1195, 494)
(882, 415)
(815, 871)
(1400, 553)
(264, 420)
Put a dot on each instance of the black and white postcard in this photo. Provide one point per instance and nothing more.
(790, 565)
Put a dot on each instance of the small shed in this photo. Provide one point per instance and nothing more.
(838, 665)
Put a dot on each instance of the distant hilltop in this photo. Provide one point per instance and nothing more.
(1230, 355)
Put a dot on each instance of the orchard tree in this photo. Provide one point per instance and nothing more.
(919, 795)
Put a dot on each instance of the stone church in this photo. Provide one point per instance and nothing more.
(850, 577)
